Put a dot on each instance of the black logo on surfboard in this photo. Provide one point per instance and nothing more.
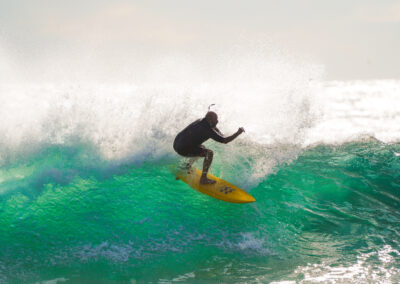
(226, 189)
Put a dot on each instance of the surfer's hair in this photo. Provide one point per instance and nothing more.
(211, 116)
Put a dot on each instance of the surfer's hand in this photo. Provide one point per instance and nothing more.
(240, 130)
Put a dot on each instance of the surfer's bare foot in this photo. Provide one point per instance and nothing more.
(189, 170)
(205, 180)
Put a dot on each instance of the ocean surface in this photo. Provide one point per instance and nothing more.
(87, 194)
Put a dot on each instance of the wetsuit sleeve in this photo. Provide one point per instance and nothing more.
(217, 130)
(214, 135)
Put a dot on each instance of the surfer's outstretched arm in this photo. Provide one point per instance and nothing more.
(219, 137)
(233, 137)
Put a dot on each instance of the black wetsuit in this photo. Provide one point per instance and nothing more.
(188, 142)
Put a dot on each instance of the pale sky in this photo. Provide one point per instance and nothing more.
(351, 39)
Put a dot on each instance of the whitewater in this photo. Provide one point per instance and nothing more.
(87, 192)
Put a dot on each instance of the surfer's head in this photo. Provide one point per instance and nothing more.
(212, 118)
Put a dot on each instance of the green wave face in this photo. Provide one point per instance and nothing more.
(68, 215)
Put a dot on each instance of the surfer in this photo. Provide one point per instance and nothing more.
(188, 142)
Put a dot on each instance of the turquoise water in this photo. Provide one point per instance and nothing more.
(68, 214)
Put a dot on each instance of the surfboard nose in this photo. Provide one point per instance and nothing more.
(248, 199)
(245, 198)
(252, 199)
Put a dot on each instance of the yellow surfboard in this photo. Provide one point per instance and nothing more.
(222, 189)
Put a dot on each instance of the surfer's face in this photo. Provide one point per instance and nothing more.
(215, 122)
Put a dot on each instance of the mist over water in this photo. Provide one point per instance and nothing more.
(86, 189)
(266, 92)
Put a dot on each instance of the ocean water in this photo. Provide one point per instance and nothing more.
(87, 194)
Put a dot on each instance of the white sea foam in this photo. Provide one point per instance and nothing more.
(280, 100)
(136, 121)
(248, 242)
(365, 270)
(53, 281)
(251, 242)
(269, 94)
(117, 253)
